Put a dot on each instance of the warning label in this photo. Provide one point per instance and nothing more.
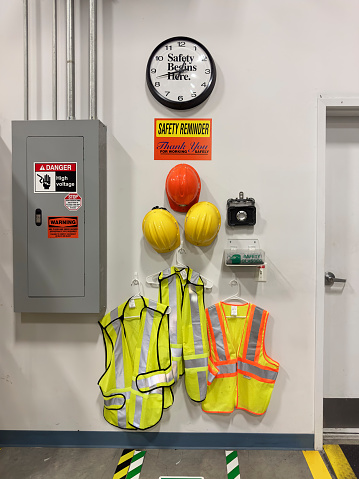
(63, 226)
(73, 201)
(55, 177)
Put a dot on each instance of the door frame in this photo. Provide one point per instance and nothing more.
(326, 107)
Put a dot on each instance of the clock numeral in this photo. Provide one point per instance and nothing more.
(168, 47)
(159, 58)
(208, 71)
(153, 70)
(195, 48)
(181, 44)
(157, 84)
(167, 93)
(204, 84)
(204, 58)
(194, 94)
(180, 98)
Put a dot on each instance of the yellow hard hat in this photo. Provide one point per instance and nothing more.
(161, 230)
(202, 223)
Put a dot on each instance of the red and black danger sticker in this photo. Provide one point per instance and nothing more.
(63, 226)
(55, 177)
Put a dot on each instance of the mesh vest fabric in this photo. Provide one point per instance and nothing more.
(183, 290)
(241, 374)
(136, 383)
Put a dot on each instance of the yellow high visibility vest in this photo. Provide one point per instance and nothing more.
(138, 364)
(241, 375)
(183, 290)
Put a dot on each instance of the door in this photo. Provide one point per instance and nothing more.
(341, 325)
(56, 251)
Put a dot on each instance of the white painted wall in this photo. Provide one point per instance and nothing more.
(273, 59)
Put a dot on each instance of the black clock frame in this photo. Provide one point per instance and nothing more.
(181, 105)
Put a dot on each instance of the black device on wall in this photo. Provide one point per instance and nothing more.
(241, 211)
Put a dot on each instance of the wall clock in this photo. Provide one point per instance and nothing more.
(180, 73)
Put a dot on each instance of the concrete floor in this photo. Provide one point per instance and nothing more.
(65, 463)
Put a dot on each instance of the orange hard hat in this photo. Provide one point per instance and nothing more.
(183, 186)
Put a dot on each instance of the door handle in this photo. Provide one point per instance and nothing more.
(38, 217)
(330, 279)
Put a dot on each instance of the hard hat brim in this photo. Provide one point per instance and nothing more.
(182, 209)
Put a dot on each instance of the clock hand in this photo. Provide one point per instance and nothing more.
(176, 73)
(181, 70)
(164, 75)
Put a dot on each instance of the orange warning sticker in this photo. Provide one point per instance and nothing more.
(63, 226)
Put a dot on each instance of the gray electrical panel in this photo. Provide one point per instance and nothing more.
(59, 216)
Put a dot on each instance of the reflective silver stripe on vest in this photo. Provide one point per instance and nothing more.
(114, 314)
(253, 338)
(152, 304)
(262, 373)
(148, 322)
(119, 366)
(176, 353)
(202, 383)
(175, 371)
(115, 401)
(119, 372)
(138, 407)
(217, 331)
(121, 413)
(210, 377)
(196, 363)
(173, 318)
(226, 368)
(138, 411)
(148, 319)
(172, 301)
(195, 318)
(152, 381)
(158, 378)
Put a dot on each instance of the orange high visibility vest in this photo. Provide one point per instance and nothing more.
(241, 375)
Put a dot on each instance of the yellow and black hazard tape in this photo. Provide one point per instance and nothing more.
(124, 463)
(338, 462)
(316, 465)
(130, 464)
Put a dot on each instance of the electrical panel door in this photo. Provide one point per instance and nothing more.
(56, 236)
(59, 216)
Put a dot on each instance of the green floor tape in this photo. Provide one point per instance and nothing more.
(232, 465)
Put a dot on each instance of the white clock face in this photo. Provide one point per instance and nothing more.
(181, 73)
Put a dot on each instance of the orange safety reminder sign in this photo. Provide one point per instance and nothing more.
(63, 226)
(183, 139)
